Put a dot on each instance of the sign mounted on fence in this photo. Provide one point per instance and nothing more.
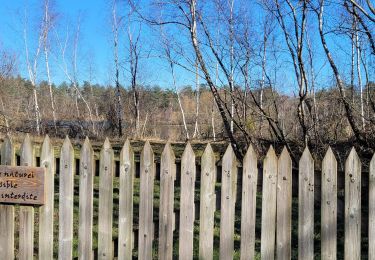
(22, 185)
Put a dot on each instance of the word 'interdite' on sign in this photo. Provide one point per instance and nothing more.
(22, 185)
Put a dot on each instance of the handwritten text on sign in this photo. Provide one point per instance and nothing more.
(22, 184)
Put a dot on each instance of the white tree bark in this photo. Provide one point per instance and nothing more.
(358, 59)
(46, 27)
(32, 71)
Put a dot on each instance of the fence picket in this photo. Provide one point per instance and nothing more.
(248, 206)
(306, 207)
(329, 206)
(46, 211)
(228, 203)
(146, 196)
(187, 208)
(105, 250)
(26, 221)
(352, 247)
(207, 204)
(371, 210)
(166, 215)
(127, 172)
(7, 211)
(284, 206)
(269, 205)
(66, 196)
(86, 201)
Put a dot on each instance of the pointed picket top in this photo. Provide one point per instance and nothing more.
(208, 153)
(229, 153)
(329, 156)
(285, 155)
(47, 150)
(188, 153)
(168, 151)
(251, 155)
(168, 158)
(229, 161)
(126, 148)
(26, 152)
(106, 145)
(306, 157)
(271, 155)
(7, 152)
(147, 154)
(86, 145)
(353, 156)
(126, 156)
(284, 165)
(67, 145)
(46, 155)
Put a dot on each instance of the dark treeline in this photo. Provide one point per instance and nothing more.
(161, 117)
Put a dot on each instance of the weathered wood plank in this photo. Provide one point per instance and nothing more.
(127, 172)
(207, 204)
(105, 250)
(353, 207)
(187, 208)
(7, 211)
(371, 210)
(66, 195)
(86, 178)
(248, 206)
(329, 206)
(306, 207)
(284, 207)
(269, 205)
(26, 233)
(46, 211)
(166, 215)
(147, 176)
(228, 203)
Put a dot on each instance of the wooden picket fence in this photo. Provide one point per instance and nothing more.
(276, 217)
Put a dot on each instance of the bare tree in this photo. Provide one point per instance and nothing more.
(32, 68)
(348, 110)
(115, 29)
(70, 72)
(134, 56)
(295, 43)
(358, 59)
(168, 56)
(46, 26)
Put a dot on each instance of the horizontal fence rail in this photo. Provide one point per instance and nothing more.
(191, 208)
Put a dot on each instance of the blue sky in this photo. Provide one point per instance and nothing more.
(95, 40)
(95, 45)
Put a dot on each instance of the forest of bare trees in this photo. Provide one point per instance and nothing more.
(287, 72)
